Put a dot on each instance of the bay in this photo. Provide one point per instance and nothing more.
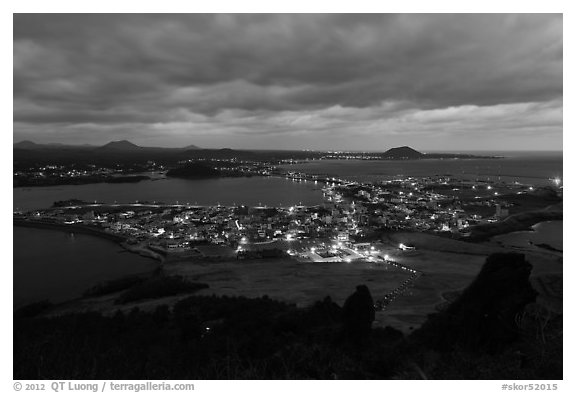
(535, 168)
(252, 191)
(548, 232)
(57, 266)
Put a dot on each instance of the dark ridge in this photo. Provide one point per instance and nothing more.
(120, 145)
(402, 153)
(484, 317)
(26, 145)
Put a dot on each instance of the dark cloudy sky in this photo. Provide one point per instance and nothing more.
(362, 82)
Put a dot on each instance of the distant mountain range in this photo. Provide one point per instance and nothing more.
(28, 153)
(29, 145)
(122, 145)
(26, 145)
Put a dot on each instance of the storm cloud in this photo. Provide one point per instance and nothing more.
(291, 81)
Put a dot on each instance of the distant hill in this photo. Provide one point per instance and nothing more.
(26, 145)
(191, 147)
(29, 145)
(123, 145)
(402, 153)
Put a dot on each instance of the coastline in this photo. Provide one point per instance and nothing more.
(517, 222)
(118, 239)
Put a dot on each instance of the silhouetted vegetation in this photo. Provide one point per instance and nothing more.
(546, 246)
(33, 309)
(209, 337)
(159, 286)
(113, 286)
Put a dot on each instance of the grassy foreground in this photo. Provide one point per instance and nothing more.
(208, 337)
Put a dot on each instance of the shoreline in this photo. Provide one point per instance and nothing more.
(515, 223)
(118, 239)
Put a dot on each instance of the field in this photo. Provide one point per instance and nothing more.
(447, 266)
(294, 282)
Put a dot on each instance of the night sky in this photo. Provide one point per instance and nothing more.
(349, 82)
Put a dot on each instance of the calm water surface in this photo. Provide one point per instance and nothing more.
(251, 191)
(54, 265)
(549, 232)
(534, 168)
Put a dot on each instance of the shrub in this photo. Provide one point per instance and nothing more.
(159, 286)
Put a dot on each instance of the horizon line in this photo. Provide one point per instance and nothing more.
(294, 149)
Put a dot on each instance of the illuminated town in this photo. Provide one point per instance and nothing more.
(339, 230)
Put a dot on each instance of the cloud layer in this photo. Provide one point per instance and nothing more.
(291, 81)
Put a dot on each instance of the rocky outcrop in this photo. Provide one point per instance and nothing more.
(485, 316)
(358, 314)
